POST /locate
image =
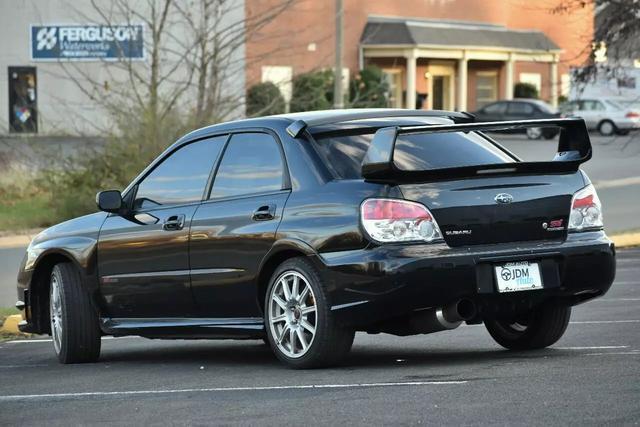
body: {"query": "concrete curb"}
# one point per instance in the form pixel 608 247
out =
pixel 10 325
pixel 18 241
pixel 626 240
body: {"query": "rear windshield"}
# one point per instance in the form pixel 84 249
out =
pixel 344 154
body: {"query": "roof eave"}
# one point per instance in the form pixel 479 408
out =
pixel 459 47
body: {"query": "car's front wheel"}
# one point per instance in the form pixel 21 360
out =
pixel 74 323
pixel 539 328
pixel 301 328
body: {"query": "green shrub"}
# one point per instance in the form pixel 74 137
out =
pixel 312 91
pixel 264 99
pixel 525 90
pixel 368 88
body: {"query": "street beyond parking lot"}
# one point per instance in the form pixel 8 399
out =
pixel 591 376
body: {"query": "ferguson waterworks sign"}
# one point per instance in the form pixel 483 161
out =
pixel 86 42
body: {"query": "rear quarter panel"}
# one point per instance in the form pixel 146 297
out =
pixel 327 217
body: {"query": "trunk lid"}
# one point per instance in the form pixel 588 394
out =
pixel 499 209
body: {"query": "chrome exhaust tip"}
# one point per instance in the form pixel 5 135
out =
pixel 463 309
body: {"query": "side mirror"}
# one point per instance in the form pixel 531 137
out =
pixel 109 201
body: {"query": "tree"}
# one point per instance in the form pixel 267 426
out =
pixel 264 99
pixel 312 91
pixel 368 88
pixel 617 28
pixel 194 53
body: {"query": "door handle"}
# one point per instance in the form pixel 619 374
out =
pixel 264 213
pixel 174 223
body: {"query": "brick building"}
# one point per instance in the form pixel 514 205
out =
pixel 451 54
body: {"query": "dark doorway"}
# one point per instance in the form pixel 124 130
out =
pixel 438 92
pixel 23 97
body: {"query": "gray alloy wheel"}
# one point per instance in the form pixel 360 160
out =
pixel 534 133
pixel 607 128
pixel 75 329
pixel 302 330
pixel 55 310
pixel 292 314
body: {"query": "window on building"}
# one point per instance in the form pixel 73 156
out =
pixel 534 79
pixel 394 83
pixel 181 177
pixel 486 88
pixel 281 76
pixel 23 97
pixel 252 163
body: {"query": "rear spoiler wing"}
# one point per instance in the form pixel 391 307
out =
pixel 574 148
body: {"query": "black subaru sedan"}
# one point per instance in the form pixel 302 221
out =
pixel 304 228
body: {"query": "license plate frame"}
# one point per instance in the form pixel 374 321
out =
pixel 518 276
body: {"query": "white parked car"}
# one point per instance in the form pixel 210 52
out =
pixel 608 116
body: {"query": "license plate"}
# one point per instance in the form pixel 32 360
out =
pixel 518 276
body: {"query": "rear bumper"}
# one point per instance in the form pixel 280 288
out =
pixel 627 123
pixel 378 283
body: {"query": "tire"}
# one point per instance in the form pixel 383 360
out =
pixel 534 133
pixel 306 312
pixel 541 328
pixel 606 128
pixel 74 323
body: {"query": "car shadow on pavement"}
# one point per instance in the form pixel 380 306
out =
pixel 383 358
pixel 248 353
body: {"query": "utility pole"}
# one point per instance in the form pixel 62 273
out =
pixel 338 97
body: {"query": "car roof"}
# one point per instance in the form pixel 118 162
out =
pixel 322 118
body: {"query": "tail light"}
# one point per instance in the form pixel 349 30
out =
pixel 586 210
pixel 632 115
pixel 392 220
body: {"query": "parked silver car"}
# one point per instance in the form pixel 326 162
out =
pixel 605 115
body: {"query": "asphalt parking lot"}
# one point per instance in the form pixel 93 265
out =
pixel 590 377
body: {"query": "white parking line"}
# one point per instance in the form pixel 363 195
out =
pixel 37 365
pixel 616 353
pixel 596 347
pixel 49 339
pixel 21 397
pixel 587 322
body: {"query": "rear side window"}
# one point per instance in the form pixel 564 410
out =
pixel 592 106
pixel 496 108
pixel 251 164
pixel 344 154
pixel 520 108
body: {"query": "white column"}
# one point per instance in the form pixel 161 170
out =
pixel 554 82
pixel 508 81
pixel 462 82
pixel 411 79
